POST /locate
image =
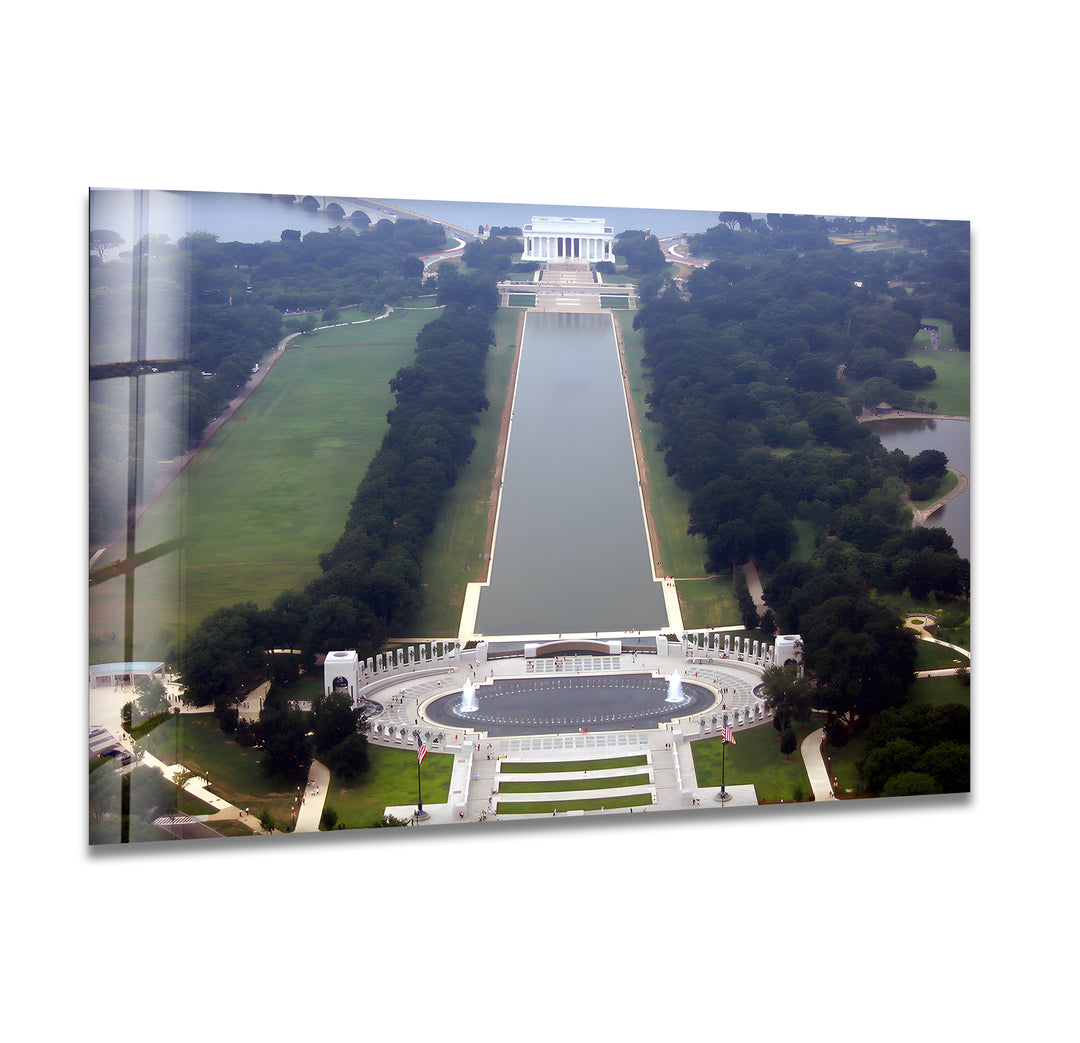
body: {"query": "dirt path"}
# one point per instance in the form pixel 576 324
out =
pixel 919 516
pixel 907 414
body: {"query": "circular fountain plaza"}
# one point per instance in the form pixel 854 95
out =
pixel 543 704
pixel 564 687
pixel 507 701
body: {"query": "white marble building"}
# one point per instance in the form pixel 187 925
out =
pixel 568 239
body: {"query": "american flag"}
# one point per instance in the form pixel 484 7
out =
pixel 727 736
pixel 421 752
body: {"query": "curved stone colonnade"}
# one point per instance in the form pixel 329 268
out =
pixel 719 652
pixel 709 644
pixel 405 682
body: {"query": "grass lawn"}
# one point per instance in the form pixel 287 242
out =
pixel 390 782
pixel 940 691
pixel 756 760
pixel 146 790
pixel 930 656
pixel 842 760
pixel 946 339
pixel 565 785
pixel 952 388
pixel 704 600
pixel 195 741
pixel 929 691
pixel 948 483
pixel 708 602
pixel 805 540
pixel 528 767
pixel 954 624
pixel 271 490
pixel 452 557
pixel 547 807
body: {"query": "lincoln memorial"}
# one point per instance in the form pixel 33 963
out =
pixel 568 239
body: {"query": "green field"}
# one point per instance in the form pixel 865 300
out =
pixel 271 490
pixel 756 760
pixel 548 807
pixel 235 775
pixel 390 782
pixel 453 555
pixel 542 767
pixel 195 741
pixel 952 389
pixel 929 691
pixel 704 600
pixel 572 785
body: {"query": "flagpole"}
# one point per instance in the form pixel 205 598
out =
pixel 723 766
pixel 723 796
pixel 421 753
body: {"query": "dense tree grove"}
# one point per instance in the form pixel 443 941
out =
pixel 758 366
pixel 639 251
pixel 370 579
pixel 496 254
pixel 211 311
pixel 932 742
pixel 758 372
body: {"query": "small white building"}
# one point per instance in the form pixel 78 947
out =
pixel 568 239
pixel 341 673
pixel 788 649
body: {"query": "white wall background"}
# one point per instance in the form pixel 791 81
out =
pixel 866 916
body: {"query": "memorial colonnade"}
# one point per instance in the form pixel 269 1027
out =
pixel 568 238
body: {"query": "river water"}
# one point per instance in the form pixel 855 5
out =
pixel 515 215
pixel 244 218
pixel 953 438
pixel 571 553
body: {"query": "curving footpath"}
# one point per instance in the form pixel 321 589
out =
pixel 920 515
pixel 814 762
pixel 311 804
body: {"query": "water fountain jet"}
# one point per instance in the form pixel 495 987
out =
pixel 468 698
pixel 675 692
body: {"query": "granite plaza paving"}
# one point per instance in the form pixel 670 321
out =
pixel 480 757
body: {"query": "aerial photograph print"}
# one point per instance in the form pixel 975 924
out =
pixel 439 515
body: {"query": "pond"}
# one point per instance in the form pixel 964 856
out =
pixel 953 438
pixel 571 553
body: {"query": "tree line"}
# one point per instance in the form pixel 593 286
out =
pixel 212 310
pixel 758 369
pixel 369 583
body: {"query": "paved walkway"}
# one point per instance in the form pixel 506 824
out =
pixel 478 758
pixel 473 791
pixel 816 771
pixel 311 803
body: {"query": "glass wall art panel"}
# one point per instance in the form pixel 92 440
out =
pixel 431 514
